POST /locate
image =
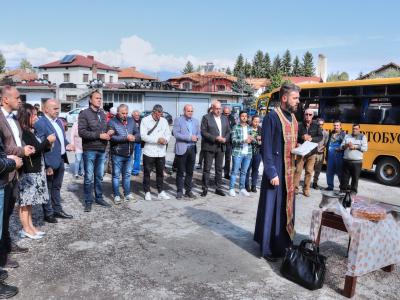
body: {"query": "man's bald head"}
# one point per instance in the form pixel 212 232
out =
pixel 10 98
pixel 52 108
pixel 188 111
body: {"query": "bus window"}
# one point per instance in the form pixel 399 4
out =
pixel 374 90
pixel 330 92
pixel 304 93
pixel 393 89
pixel 314 93
pixel 375 113
pixel 392 116
pixel 350 91
pixel 347 110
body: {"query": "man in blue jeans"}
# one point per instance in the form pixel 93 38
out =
pixel 242 139
pixel 334 155
pixel 92 128
pixel 138 145
pixel 122 145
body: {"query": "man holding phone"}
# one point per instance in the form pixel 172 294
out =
pixel 92 128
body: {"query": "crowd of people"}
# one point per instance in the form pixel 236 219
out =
pixel 33 153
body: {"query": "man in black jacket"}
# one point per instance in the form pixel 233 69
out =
pixel 216 132
pixel 92 128
pixel 308 131
pixel 7 164
pixel 122 148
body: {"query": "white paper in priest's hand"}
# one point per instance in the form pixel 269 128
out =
pixel 304 148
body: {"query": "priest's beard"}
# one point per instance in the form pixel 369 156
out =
pixel 290 108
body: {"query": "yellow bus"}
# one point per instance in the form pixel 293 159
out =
pixel 373 103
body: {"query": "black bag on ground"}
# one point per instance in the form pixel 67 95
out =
pixel 304 266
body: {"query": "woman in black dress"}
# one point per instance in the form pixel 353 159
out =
pixel 32 184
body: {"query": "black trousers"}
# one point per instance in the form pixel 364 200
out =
pixel 351 169
pixel 201 157
pixel 185 164
pixel 10 195
pixel 228 157
pixel 54 183
pixel 148 163
pixel 208 161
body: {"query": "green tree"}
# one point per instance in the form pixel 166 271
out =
pixel 267 65
pixel 276 81
pixel 247 69
pixel 2 63
pixel 258 62
pixel 239 66
pixel 287 63
pixel 338 76
pixel 189 68
pixel 296 69
pixel 228 71
pixel 25 64
pixel 242 87
pixel 276 66
pixel 307 67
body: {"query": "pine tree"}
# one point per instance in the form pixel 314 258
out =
pixel 276 66
pixel 267 66
pixel 287 63
pixel 2 63
pixel 247 69
pixel 307 67
pixel 228 71
pixel 239 66
pixel 338 76
pixel 296 68
pixel 189 68
pixel 25 64
pixel 258 61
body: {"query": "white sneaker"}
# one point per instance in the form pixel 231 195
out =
pixel 243 192
pixel 117 200
pixel 163 196
pixel 130 198
pixel 147 196
pixel 232 193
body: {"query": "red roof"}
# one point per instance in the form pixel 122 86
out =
pixel 198 76
pixel 19 75
pixel 79 61
pixel 132 73
pixel 257 83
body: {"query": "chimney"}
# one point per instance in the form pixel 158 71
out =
pixel 322 67
pixel 91 57
pixel 133 68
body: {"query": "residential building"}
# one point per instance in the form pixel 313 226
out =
pixel 132 75
pixel 389 70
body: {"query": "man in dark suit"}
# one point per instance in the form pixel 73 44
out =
pixel 13 145
pixel 54 160
pixel 215 131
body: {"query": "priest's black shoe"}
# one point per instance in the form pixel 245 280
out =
pixel 15 249
pixel 220 192
pixel 203 193
pixel 63 215
pixel 50 219
pixel 7 291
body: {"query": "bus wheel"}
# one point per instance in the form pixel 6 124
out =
pixel 388 171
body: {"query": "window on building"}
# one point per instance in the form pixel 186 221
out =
pixel 220 87
pixel 66 77
pixel 111 79
pixel 85 77
pixel 45 76
pixel 187 85
pixel 71 98
pixel 101 77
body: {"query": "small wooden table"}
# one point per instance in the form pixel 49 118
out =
pixel 335 221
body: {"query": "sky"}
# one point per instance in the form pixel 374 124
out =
pixel 159 37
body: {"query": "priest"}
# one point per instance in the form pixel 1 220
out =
pixel 274 230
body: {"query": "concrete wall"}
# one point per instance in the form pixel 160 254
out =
pixel 33 97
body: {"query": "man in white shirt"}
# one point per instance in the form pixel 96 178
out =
pixel 155 133
pixel 54 160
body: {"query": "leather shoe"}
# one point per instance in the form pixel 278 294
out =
pixel 63 215
pixel 50 219
pixel 7 291
pixel 254 189
pixel 3 275
pixel 203 193
pixel 17 249
pixel 102 203
pixel 227 176
pixel 190 195
pixel 10 263
pixel 179 195
pixel 88 207
pixel 247 188
pixel 219 192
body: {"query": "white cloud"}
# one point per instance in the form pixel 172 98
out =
pixel 132 51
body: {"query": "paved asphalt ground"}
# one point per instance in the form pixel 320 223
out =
pixel 176 249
